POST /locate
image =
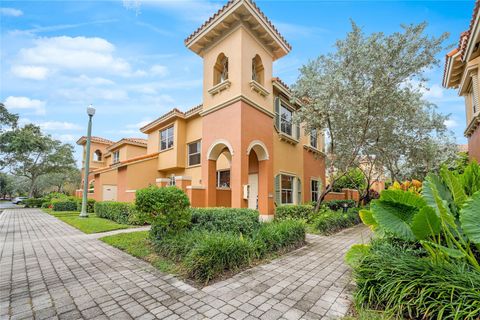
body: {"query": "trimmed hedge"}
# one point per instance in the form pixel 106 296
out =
pixel 292 211
pixel 90 205
pixel 33 202
pixel 113 210
pixel 235 220
pixel 69 204
pixel 216 253
pixel 333 221
pixel 281 235
pixel 177 246
pixel 169 207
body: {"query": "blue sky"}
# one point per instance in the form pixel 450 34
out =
pixel 128 59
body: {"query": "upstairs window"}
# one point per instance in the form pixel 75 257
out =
pixel 194 149
pixel 286 116
pixel 97 155
pixel 257 70
pixel 314 138
pixel 116 156
pixel 220 70
pixel 166 138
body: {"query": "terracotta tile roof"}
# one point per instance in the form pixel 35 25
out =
pixel 280 81
pixel 137 140
pixel 226 7
pixel 83 139
pixel 172 113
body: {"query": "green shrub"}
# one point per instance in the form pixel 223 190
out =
pixel 338 204
pixel 177 246
pixel 216 253
pixel 333 221
pixel 139 218
pixel 279 235
pixel 90 205
pixel 402 281
pixel 239 221
pixel 293 211
pixel 33 202
pixel 67 204
pixel 169 207
pixel 116 211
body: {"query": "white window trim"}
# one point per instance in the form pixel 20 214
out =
pixel 218 178
pixel 294 188
pixel 167 140
pixel 116 156
pixel 287 107
pixel 311 190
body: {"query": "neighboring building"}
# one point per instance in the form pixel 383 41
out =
pixel 240 147
pixel 461 71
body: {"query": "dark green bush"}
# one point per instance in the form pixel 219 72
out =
pixel 90 205
pixel 68 204
pixel 116 211
pixel 338 204
pixel 332 221
pixel 216 253
pixel 33 202
pixel 139 218
pixel 169 207
pixel 244 221
pixel 279 235
pixel 292 211
pixel 177 246
pixel 397 279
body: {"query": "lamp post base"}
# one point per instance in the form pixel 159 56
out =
pixel 83 215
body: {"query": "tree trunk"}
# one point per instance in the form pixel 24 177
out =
pixel 32 187
pixel 321 197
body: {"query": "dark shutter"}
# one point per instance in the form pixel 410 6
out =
pixel 299 191
pixel 278 199
pixel 277 113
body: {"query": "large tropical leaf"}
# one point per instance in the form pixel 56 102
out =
pixel 431 184
pixel 425 223
pixel 455 186
pixel 356 254
pixel 367 218
pixel 451 252
pixel 403 197
pixel 471 178
pixel 470 218
pixel 394 217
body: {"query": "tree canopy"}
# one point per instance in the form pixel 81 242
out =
pixel 368 96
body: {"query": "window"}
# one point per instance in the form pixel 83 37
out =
pixel 314 189
pixel 166 138
pixel 286 120
pixel 194 149
pixel 116 156
pixel 257 69
pixel 97 155
pixel 223 179
pixel 474 105
pixel 286 187
pixel 220 70
pixel 314 138
pixel 171 181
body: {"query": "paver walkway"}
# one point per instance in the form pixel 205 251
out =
pixel 51 270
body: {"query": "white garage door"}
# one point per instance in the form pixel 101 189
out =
pixel 109 193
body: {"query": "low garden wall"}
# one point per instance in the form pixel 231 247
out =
pixel 346 194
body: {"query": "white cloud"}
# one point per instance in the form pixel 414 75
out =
pixel 58 125
pixel 92 94
pixel 83 79
pixel 12 12
pixel 450 123
pixel 434 92
pixel 24 103
pixel 30 72
pixel 138 125
pixel 65 137
pixel 75 53
pixel 159 70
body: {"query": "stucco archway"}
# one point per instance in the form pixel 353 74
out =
pixel 217 148
pixel 260 149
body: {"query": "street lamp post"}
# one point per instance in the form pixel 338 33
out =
pixel 84 213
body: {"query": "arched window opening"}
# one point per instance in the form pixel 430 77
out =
pixel 220 70
pixel 97 155
pixel 257 69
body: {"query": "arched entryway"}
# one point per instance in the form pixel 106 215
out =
pixel 219 155
pixel 257 176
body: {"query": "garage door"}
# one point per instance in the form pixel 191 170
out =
pixel 109 193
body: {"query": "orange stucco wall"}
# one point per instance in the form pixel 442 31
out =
pixel 313 169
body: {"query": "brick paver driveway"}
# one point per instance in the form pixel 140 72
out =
pixel 51 270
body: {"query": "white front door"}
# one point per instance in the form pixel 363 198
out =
pixel 109 193
pixel 253 193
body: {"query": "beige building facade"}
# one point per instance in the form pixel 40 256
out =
pixel 240 147
pixel 462 73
